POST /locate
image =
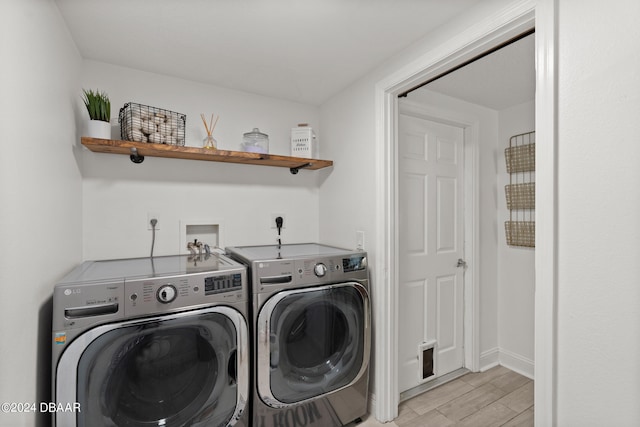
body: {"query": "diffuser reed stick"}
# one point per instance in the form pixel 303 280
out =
pixel 209 141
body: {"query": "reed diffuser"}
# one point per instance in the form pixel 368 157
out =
pixel 209 142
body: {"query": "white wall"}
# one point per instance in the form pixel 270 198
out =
pixel 598 336
pixel 40 193
pixel 516 275
pixel 348 195
pixel 118 195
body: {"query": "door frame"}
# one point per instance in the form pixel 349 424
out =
pixel 471 228
pixel 515 19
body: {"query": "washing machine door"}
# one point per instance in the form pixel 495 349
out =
pixel 311 342
pixel 184 369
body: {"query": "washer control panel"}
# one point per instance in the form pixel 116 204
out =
pixel 98 292
pixel 157 295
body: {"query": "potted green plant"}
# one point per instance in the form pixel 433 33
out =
pixel 99 109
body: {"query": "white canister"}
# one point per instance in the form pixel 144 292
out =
pixel 303 142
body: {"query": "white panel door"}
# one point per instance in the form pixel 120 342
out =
pixel 431 300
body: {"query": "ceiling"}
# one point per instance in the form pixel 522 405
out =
pixel 500 80
pixel 300 50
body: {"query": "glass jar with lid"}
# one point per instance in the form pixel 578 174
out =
pixel 255 142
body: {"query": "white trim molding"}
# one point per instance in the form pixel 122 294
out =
pixel 546 256
pixel 489 359
pixel 517 363
pixel 501 357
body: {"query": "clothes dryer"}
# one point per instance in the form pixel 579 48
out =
pixel 311 334
pixel 152 341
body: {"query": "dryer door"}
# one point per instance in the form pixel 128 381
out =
pixel 311 342
pixel 182 369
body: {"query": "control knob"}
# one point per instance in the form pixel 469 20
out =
pixel 166 294
pixel 320 269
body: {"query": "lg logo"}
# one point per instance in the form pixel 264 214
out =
pixel 68 292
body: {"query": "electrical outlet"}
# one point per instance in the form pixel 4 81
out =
pixel 150 216
pixel 360 240
pixel 273 220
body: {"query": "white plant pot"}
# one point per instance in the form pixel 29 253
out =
pixel 99 129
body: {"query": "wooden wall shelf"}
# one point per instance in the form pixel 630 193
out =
pixel 138 150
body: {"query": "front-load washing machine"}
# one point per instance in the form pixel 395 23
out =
pixel 311 334
pixel 157 341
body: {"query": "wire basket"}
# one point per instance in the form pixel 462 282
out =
pixel 142 123
pixel 520 233
pixel 521 158
pixel 521 196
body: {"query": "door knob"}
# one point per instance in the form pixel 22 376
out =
pixel 461 263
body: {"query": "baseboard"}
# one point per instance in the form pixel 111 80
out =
pixel 517 363
pixel 489 359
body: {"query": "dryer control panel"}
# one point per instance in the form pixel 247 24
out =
pixel 277 267
pixel 269 275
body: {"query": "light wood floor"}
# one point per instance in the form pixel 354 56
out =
pixel 497 397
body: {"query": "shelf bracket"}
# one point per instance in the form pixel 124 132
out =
pixel 295 170
pixel 135 157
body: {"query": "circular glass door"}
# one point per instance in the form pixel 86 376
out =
pixel 317 342
pixel 175 370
